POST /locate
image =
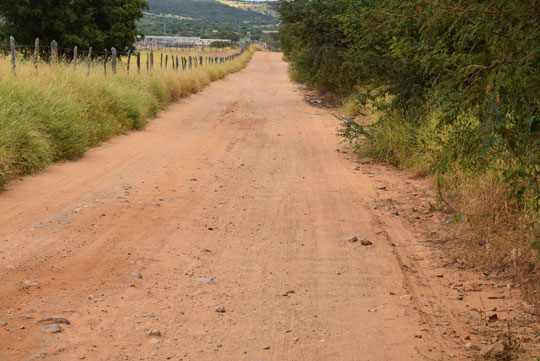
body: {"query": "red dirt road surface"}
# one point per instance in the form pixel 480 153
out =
pixel 220 232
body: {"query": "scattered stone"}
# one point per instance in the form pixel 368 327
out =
pixel 28 317
pixel 156 333
pixel 54 328
pixel 365 242
pixel 418 335
pixel 495 350
pixel 137 274
pixel 440 275
pixel 383 188
pixel 468 345
pixel 492 317
pixel 220 309
pixel 467 337
pixel 352 239
pixel 207 280
pixel 284 294
pixel 30 283
pixel 155 341
pixel 206 250
pixel 2 323
pixel 53 319
pixel 266 347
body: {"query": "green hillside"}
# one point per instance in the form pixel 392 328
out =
pixel 204 18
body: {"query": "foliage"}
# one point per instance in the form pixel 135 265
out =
pixel 61 112
pixel 97 23
pixel 208 19
pixel 470 66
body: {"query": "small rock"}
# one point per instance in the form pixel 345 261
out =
pixel 206 250
pixel 53 319
pixel 220 309
pixel 494 350
pixel 30 283
pixel 492 317
pixel 288 293
pixel 418 336
pixel 352 239
pixel 26 316
pixel 154 341
pixel 156 333
pixel 137 274
pixel 467 337
pixel 468 345
pixel 365 242
pixel 2 323
pixel 208 281
pixel 266 347
pixel 54 328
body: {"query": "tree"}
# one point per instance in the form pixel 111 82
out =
pixel 97 23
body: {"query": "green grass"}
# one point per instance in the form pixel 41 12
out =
pixel 58 113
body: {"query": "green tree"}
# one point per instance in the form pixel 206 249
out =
pixel 97 23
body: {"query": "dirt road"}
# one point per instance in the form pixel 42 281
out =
pixel 237 198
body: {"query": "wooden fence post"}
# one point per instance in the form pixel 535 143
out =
pixel 105 62
pixel 190 62
pixel 147 62
pixel 161 64
pixel 36 54
pixel 138 62
pixel 54 52
pixel 129 60
pixel 75 50
pixel 13 54
pixel 89 61
pixel 177 63
pixel 152 59
pixel 166 60
pixel 113 62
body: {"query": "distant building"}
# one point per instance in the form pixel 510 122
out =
pixel 153 41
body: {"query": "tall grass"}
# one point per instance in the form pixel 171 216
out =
pixel 494 228
pixel 58 113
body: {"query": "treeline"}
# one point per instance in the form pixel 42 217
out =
pixel 454 87
pixel 100 24
pixel 205 18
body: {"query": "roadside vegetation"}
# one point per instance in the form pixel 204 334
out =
pixel 58 113
pixel 449 89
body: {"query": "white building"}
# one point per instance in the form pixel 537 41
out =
pixel 154 41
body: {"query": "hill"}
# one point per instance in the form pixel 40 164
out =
pixel 208 19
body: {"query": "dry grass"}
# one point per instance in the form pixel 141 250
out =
pixel 495 232
pixel 58 113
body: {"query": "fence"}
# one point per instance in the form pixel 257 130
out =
pixel 110 59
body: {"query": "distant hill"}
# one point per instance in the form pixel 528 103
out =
pixel 208 19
